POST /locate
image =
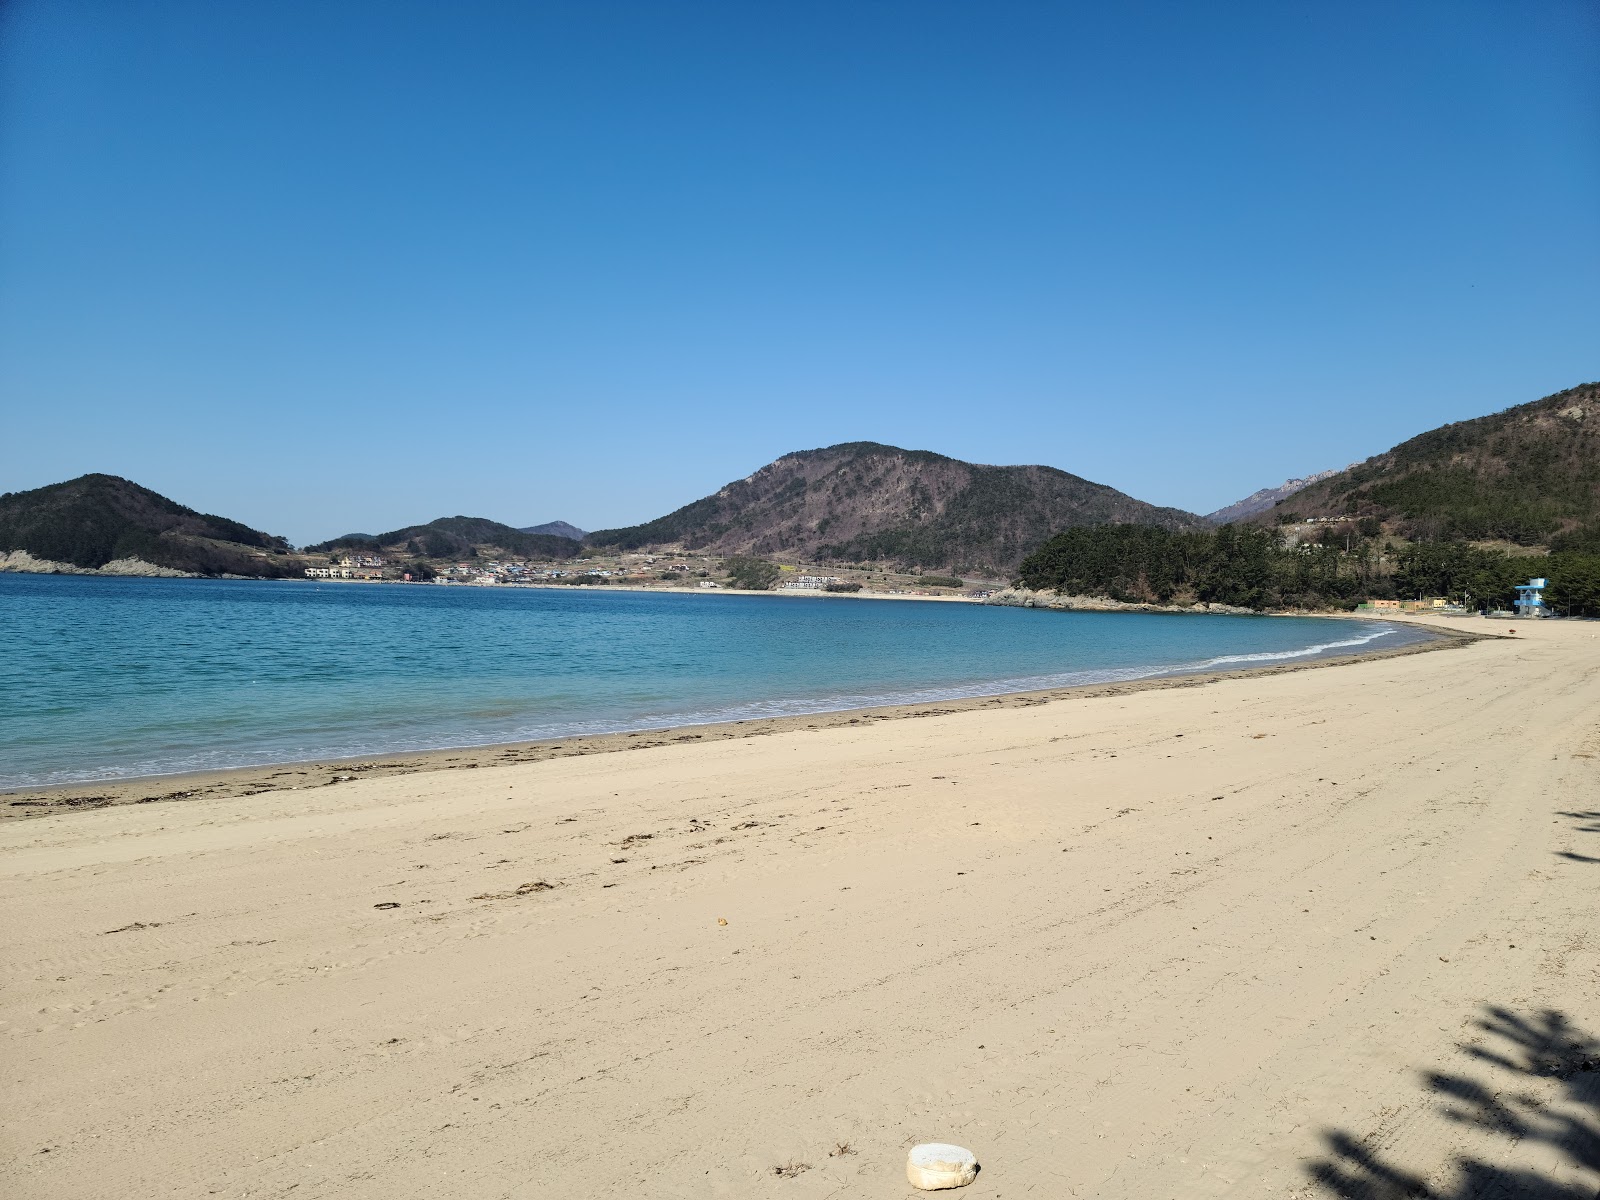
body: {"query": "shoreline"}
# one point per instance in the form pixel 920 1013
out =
pixel 1002 595
pixel 1078 938
pixel 236 782
pixel 164 573
pixel 809 593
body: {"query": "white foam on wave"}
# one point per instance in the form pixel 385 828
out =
pixel 1320 648
pixel 1007 686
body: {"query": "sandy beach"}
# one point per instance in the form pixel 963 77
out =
pixel 1322 932
pixel 31 803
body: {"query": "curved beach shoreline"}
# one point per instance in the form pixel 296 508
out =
pixel 245 781
pixel 1225 935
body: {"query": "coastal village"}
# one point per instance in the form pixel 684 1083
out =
pixel 654 572
pixel 695 572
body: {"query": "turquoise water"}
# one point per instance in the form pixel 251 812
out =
pixel 112 678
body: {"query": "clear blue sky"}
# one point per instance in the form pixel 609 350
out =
pixel 325 266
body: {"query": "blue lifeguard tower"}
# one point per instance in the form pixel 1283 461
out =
pixel 1530 598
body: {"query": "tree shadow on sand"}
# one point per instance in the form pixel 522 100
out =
pixel 1589 823
pixel 1565 1126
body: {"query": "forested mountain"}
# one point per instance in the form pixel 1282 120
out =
pixel 98 519
pixel 458 537
pixel 865 502
pixel 1399 526
pixel 1530 475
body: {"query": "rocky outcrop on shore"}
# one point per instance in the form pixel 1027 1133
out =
pixel 22 561
pixel 1025 598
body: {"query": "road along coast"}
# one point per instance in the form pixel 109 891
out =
pixel 1238 939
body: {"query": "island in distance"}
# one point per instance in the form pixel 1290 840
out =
pixel 103 524
pixel 903 510
pixel 1521 480
pixel 454 537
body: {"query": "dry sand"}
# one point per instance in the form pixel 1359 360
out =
pixel 1178 942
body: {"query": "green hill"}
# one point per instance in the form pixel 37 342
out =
pixel 1529 475
pixel 458 537
pixel 98 519
pixel 865 502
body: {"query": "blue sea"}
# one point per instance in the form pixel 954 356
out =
pixel 104 678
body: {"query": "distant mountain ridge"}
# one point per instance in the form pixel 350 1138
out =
pixel 557 529
pixel 1529 474
pixel 96 522
pixel 1259 502
pixel 868 502
pixel 457 537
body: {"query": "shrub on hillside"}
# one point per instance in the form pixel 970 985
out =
pixel 751 574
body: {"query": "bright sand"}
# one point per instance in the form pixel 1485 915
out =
pixel 1112 960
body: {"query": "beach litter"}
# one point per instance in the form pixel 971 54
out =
pixel 935 1165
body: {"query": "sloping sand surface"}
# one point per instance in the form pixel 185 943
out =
pixel 1323 933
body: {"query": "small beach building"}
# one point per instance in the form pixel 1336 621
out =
pixel 1530 598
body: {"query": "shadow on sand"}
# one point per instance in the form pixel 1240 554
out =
pixel 1589 822
pixel 1562 1123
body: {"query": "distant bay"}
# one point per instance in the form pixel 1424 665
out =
pixel 106 678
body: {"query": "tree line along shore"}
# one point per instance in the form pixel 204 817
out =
pixel 1338 566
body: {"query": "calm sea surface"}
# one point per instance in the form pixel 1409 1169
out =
pixel 110 678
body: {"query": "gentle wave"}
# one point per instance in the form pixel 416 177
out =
pixel 1323 648
pixel 996 687
pixel 682 718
